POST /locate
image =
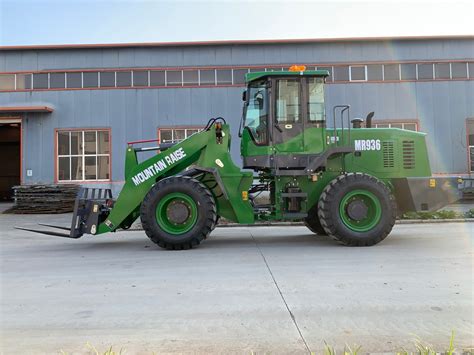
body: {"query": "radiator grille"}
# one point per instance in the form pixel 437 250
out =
pixel 388 155
pixel 408 148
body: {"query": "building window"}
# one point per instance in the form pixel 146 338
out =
pixel 442 71
pixel 40 81
pixel 239 75
pixel 23 81
pixel 107 79
pixel 408 71
pixel 90 79
pixel 174 78
pixel 57 80
pixel 341 73
pixel 375 72
pixel 176 134
pixel 140 78
pixel 157 78
pixel 409 126
pixel 207 77
pixel 459 70
pixel 425 71
pixel 190 77
pixel 83 155
pixel 124 78
pixel 470 145
pixel 358 73
pixel 391 72
pixel 180 77
pixel 224 76
pixel 74 80
pixel 7 82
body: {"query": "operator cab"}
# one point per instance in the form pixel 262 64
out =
pixel 283 114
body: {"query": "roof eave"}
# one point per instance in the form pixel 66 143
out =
pixel 231 42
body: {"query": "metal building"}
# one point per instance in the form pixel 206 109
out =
pixel 67 111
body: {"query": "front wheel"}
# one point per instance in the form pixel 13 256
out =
pixel 178 213
pixel 312 221
pixel 357 210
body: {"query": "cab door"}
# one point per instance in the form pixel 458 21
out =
pixel 288 122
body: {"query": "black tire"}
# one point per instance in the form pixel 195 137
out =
pixel 312 221
pixel 216 222
pixel 336 227
pixel 204 205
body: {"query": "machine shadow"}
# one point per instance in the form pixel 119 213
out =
pixel 215 242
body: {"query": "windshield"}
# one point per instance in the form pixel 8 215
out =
pixel 256 115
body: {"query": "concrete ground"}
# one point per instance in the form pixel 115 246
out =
pixel 262 289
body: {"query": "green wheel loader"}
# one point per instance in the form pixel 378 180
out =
pixel 343 178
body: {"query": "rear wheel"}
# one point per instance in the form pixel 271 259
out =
pixel 216 222
pixel 178 213
pixel 357 210
pixel 312 221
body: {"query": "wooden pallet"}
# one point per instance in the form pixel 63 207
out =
pixel 37 199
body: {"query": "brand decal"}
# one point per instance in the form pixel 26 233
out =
pixel 159 166
pixel 367 144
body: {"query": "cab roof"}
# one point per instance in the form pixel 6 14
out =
pixel 249 77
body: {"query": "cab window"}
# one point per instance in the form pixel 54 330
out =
pixel 257 112
pixel 316 111
pixel 288 101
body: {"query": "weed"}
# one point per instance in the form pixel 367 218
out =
pixel 451 348
pixel 329 350
pixel 109 351
pixel 443 214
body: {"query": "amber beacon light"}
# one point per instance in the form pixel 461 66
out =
pixel 297 68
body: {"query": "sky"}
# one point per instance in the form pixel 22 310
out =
pixel 37 22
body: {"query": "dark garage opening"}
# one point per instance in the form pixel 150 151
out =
pixel 10 155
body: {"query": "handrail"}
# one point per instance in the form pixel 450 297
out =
pixel 344 109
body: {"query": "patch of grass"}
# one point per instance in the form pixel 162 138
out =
pixel 329 350
pixel 423 348
pixel 93 350
pixel 420 348
pixel 470 213
pixel 443 214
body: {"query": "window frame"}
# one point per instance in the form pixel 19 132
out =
pixel 396 65
pixel 358 66
pixel 469 121
pixel 403 122
pixel 276 97
pixel 174 128
pixel 25 80
pixel 57 131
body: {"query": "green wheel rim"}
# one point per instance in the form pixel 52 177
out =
pixel 165 219
pixel 373 212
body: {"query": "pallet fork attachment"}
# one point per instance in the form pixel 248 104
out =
pixel 91 208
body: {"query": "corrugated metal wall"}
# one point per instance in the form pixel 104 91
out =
pixel 441 107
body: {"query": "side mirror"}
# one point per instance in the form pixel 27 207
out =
pixel 244 96
pixel 368 120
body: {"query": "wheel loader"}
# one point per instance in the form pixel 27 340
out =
pixel 341 177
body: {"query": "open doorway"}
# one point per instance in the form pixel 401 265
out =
pixel 10 157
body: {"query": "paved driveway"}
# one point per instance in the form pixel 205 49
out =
pixel 261 289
